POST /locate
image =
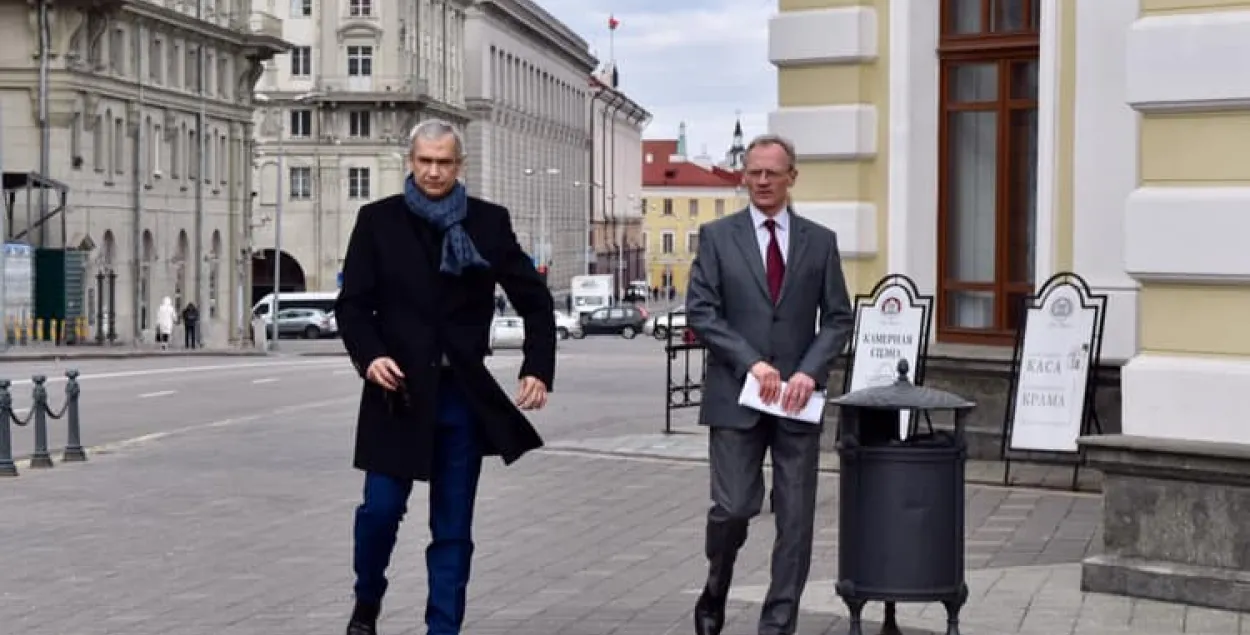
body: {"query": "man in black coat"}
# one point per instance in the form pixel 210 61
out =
pixel 415 312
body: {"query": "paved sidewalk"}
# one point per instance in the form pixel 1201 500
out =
pixel 243 528
pixel 689 443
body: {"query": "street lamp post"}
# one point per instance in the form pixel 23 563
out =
pixel 544 247
pixel 277 216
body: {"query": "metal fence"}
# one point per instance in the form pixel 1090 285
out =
pixel 686 366
pixel 37 417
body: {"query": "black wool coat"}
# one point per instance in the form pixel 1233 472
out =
pixel 395 303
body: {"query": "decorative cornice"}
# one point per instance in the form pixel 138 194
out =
pixel 535 22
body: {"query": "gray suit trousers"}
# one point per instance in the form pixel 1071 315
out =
pixel 737 488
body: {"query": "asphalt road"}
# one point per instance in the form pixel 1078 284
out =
pixel 604 386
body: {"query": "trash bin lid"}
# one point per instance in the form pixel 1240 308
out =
pixel 903 395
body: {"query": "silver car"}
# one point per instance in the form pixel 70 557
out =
pixel 309 324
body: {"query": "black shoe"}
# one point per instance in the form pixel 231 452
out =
pixel 709 614
pixel 357 627
pixel 364 620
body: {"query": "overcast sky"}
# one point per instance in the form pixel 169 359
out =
pixel 697 61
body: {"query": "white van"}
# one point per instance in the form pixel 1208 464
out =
pixel 323 300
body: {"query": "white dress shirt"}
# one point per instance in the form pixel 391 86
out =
pixel 763 236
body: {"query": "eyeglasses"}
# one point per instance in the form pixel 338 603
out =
pixel 773 175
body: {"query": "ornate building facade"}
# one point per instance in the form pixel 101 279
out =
pixel 526 77
pixel 617 206
pixel 336 113
pixel 135 117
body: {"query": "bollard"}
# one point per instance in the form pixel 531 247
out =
pixel 73 444
pixel 39 409
pixel 7 468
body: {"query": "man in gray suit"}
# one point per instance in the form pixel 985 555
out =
pixel 757 285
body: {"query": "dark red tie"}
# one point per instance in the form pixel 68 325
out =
pixel 775 264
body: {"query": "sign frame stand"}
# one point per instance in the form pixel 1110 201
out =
pixel 1089 421
pixel 916 300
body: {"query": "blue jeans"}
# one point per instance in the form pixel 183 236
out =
pixel 453 488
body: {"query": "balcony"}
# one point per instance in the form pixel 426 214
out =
pixel 373 88
pixel 265 24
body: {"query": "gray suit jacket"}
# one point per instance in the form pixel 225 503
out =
pixel 728 306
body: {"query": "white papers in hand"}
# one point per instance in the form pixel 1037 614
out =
pixel 812 411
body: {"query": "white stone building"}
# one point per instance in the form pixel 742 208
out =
pixel 527 83
pixel 147 112
pixel 337 111
pixel 617 242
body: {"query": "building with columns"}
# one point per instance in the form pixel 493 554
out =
pixel 617 241
pixel 980 149
pixel 529 145
pixel 335 113
pixel 136 117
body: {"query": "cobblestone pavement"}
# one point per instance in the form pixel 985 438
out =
pixel 243 527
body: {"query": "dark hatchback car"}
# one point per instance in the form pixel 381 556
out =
pixel 625 321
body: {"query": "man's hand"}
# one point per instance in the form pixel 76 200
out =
pixel 770 382
pixel 531 394
pixel 384 372
pixel 798 390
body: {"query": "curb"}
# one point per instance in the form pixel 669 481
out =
pixel 99 355
pixel 996 484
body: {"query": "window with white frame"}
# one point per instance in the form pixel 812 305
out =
pixel 358 183
pixel 301 183
pixel 359 124
pixel 301 61
pixel 301 8
pixel 692 242
pixel 666 243
pixel 301 123
pixel 360 61
pixel 360 8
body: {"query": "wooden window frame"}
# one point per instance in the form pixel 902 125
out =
pixel 1004 49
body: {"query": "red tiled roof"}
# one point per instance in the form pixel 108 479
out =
pixel 661 172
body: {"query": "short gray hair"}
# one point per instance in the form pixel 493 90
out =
pixel 774 140
pixel 435 129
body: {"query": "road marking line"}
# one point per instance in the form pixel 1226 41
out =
pixel 106 448
pixel 265 380
pixel 189 369
pixel 159 393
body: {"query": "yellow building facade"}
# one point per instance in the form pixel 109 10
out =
pixel 1109 138
pixel 980 147
pixel 670 224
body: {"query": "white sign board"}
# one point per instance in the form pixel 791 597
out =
pixel 1054 371
pixel 888 330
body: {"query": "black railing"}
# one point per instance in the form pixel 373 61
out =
pixel 686 368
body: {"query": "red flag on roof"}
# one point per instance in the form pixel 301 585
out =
pixel 613 23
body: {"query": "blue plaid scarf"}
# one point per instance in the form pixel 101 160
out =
pixel 447 214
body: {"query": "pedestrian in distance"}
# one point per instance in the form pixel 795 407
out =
pixel 414 314
pixel 758 283
pixel 166 316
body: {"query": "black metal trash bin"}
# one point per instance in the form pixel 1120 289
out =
pixel 901 503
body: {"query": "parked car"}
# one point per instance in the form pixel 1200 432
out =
pixel 508 331
pixel 626 321
pixel 306 323
pixel 659 324
pixel 566 325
